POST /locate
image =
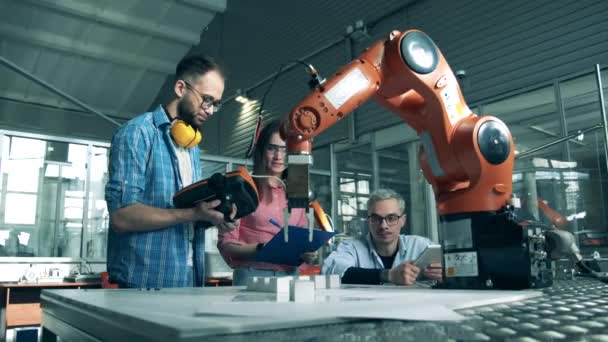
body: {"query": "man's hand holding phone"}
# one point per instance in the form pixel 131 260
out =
pixel 433 272
pixel 429 261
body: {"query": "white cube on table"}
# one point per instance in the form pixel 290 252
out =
pixel 302 291
pixel 320 281
pixel 280 284
pixel 333 281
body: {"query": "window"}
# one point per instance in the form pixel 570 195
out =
pixel 21 172
pixel 354 186
pixel 44 187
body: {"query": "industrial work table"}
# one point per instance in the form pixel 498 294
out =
pixel 570 310
pixel 20 303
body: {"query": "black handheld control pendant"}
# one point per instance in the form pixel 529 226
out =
pixel 217 183
pixel 236 187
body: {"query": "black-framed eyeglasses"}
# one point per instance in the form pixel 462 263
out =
pixel 391 219
pixel 207 101
pixel 276 148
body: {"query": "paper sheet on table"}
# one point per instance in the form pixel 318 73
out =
pixel 376 302
pixel 290 311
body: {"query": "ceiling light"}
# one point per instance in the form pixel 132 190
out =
pixel 241 96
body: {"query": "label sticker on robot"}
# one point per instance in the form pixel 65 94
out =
pixel 461 264
pixel 451 102
pixel 342 91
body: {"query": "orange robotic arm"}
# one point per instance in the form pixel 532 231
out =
pixel 468 159
pixel 557 219
pixel 320 217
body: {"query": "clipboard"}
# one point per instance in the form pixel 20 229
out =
pixel 277 251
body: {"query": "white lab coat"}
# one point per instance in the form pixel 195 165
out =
pixel 361 253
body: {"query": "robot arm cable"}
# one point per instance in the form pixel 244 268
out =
pixel 315 81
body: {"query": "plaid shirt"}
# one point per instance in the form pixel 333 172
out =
pixel 143 169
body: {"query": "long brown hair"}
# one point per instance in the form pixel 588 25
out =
pixel 259 167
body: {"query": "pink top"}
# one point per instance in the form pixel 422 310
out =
pixel 256 228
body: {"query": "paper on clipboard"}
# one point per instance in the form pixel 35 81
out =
pixel 277 251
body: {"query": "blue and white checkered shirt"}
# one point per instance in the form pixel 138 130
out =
pixel 143 169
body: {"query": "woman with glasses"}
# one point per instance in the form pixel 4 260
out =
pixel 240 247
pixel 384 255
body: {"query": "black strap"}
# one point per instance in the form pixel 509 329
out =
pixel 387 261
pixel 358 275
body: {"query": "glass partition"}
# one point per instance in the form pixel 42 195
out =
pixel 393 173
pixel 355 180
pixel 43 196
pixel 320 184
pixel 563 183
pixel 585 202
pixel 587 219
pixel 70 187
pixel 22 172
pixel 98 218
pixel 210 167
pixel 532 117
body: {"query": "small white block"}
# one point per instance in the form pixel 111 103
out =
pixel 333 281
pixel 320 281
pixel 257 284
pixel 266 285
pixel 280 284
pixel 252 284
pixel 302 291
pixel 269 284
pixel 273 283
pixel 303 277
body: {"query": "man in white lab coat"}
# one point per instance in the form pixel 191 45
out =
pixel 384 256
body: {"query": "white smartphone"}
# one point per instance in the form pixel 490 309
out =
pixel 431 255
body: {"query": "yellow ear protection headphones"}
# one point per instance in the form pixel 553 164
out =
pixel 185 135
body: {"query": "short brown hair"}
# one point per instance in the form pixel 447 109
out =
pixel 191 67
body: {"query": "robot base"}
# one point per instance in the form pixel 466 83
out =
pixel 489 250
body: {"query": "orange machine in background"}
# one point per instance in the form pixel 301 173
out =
pixel 557 219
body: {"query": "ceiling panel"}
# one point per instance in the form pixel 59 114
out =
pixel 111 55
